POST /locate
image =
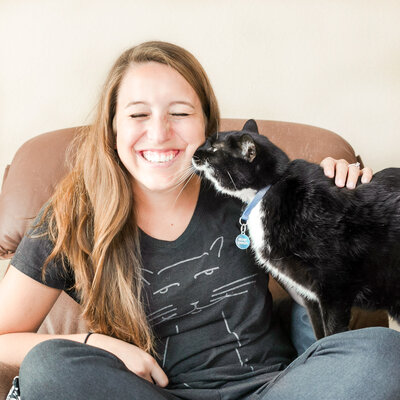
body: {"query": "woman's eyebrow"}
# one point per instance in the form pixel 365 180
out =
pixel 132 103
pixel 187 103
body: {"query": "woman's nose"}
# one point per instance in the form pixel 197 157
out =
pixel 159 130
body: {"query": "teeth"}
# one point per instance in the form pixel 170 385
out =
pixel 159 157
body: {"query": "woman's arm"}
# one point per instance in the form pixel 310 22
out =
pixel 24 304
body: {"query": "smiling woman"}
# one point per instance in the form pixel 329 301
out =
pixel 177 310
pixel 129 175
pixel 159 124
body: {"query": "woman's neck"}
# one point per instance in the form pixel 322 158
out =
pixel 165 215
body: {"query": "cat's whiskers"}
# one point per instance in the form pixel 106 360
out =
pixel 184 173
pixel 183 187
pixel 231 180
pixel 182 179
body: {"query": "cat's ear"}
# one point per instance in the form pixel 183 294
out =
pixel 250 126
pixel 248 147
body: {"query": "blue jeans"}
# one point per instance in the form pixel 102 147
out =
pixel 301 332
pixel 361 364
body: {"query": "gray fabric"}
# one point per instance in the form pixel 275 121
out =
pixel 360 364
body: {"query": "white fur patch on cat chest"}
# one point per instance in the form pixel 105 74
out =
pixel 260 243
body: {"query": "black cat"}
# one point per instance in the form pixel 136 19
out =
pixel 334 246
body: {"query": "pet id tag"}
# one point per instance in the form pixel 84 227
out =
pixel 242 241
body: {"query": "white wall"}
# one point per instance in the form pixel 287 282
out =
pixel 330 63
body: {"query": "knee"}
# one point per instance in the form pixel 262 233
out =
pixel 372 345
pixel 377 355
pixel 381 359
pixel 40 363
pixel 371 356
pixel 383 346
pixel 47 365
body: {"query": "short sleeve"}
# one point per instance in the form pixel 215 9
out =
pixel 31 255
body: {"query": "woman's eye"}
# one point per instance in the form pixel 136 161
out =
pixel 138 115
pixel 179 114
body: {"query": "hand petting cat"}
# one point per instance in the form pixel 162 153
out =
pixel 346 173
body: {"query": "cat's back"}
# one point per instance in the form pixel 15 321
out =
pixel 384 189
pixel 389 178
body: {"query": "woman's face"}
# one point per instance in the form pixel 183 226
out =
pixel 159 125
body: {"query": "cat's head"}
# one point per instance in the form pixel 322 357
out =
pixel 240 163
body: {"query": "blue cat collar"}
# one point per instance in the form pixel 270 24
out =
pixel 257 198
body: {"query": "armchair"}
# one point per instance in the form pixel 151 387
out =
pixel 40 164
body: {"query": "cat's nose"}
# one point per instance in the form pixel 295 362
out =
pixel 199 157
pixel 205 146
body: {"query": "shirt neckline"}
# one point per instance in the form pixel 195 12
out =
pixel 149 242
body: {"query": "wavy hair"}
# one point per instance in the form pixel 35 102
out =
pixel 91 216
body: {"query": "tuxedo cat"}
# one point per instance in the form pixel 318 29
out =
pixel 334 246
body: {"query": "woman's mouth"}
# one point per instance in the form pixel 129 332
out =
pixel 159 157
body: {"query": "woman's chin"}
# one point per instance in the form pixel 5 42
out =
pixel 170 185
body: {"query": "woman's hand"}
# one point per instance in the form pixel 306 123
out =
pixel 135 359
pixel 345 174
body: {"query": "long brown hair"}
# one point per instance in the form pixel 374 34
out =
pixel 91 214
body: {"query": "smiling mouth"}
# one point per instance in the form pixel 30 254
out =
pixel 159 157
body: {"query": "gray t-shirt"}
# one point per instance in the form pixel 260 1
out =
pixel 207 301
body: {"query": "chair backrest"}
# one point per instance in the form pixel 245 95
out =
pixel 39 165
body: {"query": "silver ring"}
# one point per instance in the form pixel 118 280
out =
pixel 357 164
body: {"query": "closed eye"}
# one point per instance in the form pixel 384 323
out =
pixel 207 272
pixel 179 114
pixel 138 115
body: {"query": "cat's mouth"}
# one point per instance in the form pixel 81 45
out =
pixel 159 157
pixel 198 164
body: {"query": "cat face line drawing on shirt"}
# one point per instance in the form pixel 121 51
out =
pixel 178 285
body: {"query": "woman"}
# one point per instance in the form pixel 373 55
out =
pixel 175 310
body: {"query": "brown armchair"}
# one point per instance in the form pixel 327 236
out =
pixel 40 163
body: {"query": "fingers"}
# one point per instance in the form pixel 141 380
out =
pixel 337 169
pixel 158 376
pixel 345 174
pixel 352 175
pixel 329 166
pixel 149 369
pixel 366 175
pixel 342 170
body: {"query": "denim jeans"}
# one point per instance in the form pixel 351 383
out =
pixel 301 332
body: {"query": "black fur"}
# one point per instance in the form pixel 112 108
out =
pixel 342 245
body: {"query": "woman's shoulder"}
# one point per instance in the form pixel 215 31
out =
pixel 34 250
